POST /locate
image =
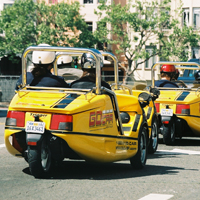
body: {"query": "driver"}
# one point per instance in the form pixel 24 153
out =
pixel 88 79
pixel 64 62
pixel 167 73
pixel 41 74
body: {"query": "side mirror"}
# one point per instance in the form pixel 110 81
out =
pixel 155 93
pixel 144 99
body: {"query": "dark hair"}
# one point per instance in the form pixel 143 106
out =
pixel 39 70
pixel 91 73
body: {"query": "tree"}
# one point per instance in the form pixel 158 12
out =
pixel 135 25
pixel 178 42
pixel 62 25
pixel 17 24
pixel 26 23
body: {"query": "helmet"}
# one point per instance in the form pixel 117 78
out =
pixel 43 57
pixel 197 75
pixel 168 69
pixel 64 59
pixel 88 61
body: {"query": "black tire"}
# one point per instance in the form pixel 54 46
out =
pixel 39 159
pixel 139 160
pixel 168 133
pixel 153 143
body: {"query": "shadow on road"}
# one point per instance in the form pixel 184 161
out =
pixel 188 142
pixel 185 141
pixel 72 169
pixel 111 171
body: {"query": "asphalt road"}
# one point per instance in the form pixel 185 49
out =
pixel 171 173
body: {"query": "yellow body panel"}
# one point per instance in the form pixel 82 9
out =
pixel 95 135
pixel 172 98
pixel 7 137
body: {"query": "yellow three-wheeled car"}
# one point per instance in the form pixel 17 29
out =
pixel 47 124
pixel 178 108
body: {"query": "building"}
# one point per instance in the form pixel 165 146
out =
pixel 5 3
pixel 191 17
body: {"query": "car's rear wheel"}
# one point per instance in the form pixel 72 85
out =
pixel 153 143
pixel 139 160
pixel 39 159
pixel 169 133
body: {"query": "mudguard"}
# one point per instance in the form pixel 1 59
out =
pixel 33 138
pixel 166 118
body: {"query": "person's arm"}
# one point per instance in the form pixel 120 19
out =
pixel 18 83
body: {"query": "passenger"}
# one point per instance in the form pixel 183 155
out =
pixel 41 74
pixel 167 73
pixel 88 79
pixel 64 62
pixel 67 69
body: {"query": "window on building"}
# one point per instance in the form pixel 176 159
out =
pixel 87 1
pixel 151 15
pixel 150 50
pixel 101 45
pixel 162 56
pixel 5 5
pixel 99 1
pixel 186 17
pixel 196 17
pixel 166 23
pixel 53 1
pixel 90 26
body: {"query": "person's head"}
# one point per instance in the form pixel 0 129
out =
pixel 197 75
pixel 167 71
pixel 64 61
pixel 88 63
pixel 43 61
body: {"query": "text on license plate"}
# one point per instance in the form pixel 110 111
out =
pixel 35 127
pixel 167 112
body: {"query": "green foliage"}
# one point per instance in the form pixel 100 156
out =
pixel 18 25
pixel 180 40
pixel 62 25
pixel 26 23
pixel 142 23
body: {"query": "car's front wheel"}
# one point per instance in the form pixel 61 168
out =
pixel 153 143
pixel 139 160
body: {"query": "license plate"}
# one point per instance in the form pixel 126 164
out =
pixel 167 112
pixel 35 127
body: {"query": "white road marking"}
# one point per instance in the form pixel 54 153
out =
pixel 177 151
pixel 157 197
pixel 2 145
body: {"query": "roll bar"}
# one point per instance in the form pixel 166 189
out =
pixel 70 50
pixel 181 64
pixel 111 55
